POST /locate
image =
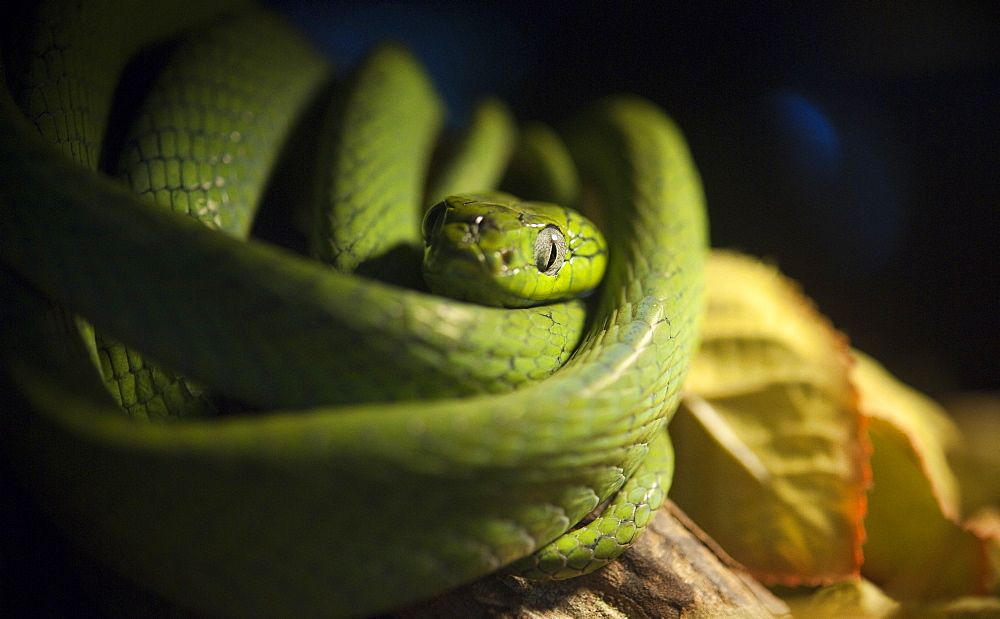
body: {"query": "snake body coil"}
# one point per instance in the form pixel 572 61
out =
pixel 346 493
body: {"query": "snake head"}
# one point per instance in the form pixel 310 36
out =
pixel 494 249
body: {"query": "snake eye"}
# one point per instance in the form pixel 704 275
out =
pixel 432 221
pixel 550 250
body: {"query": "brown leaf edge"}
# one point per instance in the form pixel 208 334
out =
pixel 840 344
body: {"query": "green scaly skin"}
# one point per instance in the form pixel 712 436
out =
pixel 478 158
pixel 308 508
pixel 541 168
pixel 375 150
pixel 377 197
pixel 487 248
pixel 202 145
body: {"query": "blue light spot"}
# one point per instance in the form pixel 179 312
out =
pixel 808 142
pixel 842 177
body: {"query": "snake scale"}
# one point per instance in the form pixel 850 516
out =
pixel 390 444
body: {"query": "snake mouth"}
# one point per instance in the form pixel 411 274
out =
pixel 467 260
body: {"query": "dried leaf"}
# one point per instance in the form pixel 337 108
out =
pixel 918 548
pixel 926 425
pixel 985 524
pixel 970 607
pixel 771 448
pixel 976 460
pixel 850 598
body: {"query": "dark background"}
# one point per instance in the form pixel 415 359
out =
pixel 855 144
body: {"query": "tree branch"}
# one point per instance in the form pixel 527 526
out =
pixel 674 570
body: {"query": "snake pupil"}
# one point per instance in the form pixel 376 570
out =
pixel 550 250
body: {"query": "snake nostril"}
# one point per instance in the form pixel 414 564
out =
pixel 433 220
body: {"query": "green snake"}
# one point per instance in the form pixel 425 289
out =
pixel 387 444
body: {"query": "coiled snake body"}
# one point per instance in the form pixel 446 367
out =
pixel 401 443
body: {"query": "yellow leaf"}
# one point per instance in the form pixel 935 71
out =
pixel 969 607
pixel 850 598
pixel 771 448
pixel 926 425
pixel 985 524
pixel 976 459
pixel 918 548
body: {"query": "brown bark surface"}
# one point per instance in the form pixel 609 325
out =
pixel 674 570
